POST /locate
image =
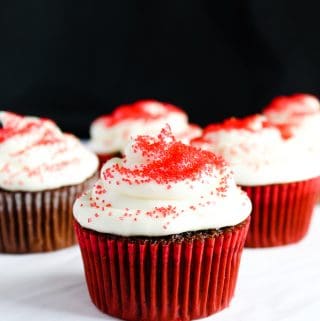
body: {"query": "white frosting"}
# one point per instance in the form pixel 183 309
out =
pixel 261 155
pixel 35 155
pixel 292 109
pixel 300 114
pixel 130 205
pixel 113 138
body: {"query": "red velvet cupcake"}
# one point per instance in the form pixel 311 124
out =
pixel 277 166
pixel 162 232
pixel 299 114
pixel 42 171
pixel 111 133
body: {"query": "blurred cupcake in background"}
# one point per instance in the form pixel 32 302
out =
pixel 274 166
pixel 109 134
pixel 42 170
pixel 298 116
pixel 162 231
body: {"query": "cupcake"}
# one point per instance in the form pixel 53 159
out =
pixel 111 133
pixel 299 115
pixel 162 231
pixel 279 173
pixel 42 171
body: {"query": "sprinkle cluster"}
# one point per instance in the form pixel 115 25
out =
pixel 295 105
pixel 165 162
pixel 292 107
pixel 25 135
pixel 146 110
pixel 251 123
pixel 16 125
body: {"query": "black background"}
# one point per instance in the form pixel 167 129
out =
pixel 74 60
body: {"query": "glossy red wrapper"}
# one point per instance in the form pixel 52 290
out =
pixel 162 279
pixel 281 212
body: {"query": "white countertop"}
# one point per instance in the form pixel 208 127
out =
pixel 278 284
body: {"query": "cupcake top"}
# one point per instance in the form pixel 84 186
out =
pixel 35 155
pixel 298 115
pixel 111 133
pixel 260 152
pixel 162 187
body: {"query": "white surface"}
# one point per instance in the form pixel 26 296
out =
pixel 279 284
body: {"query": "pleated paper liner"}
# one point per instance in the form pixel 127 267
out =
pixel 38 221
pixel 183 277
pixel 281 212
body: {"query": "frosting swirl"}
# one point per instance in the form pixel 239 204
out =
pixel 35 155
pixel 261 151
pixel 162 187
pixel 292 109
pixel 298 116
pixel 111 133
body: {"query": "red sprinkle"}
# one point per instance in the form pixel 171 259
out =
pixel 168 161
pixel 295 105
pixel 142 109
pixel 292 108
pixel 11 126
pixel 251 123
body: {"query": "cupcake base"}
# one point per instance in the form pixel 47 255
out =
pixel 179 277
pixel 281 213
pixel 38 221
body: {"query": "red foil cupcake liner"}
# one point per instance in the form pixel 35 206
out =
pixel 162 279
pixel 281 212
pixel 38 221
pixel 105 157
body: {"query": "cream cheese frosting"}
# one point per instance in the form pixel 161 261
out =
pixel 299 116
pixel 261 152
pixel 162 187
pixel 35 155
pixel 111 133
pixel 293 110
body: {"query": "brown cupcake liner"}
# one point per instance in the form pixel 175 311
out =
pixel 281 212
pixel 162 279
pixel 38 221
